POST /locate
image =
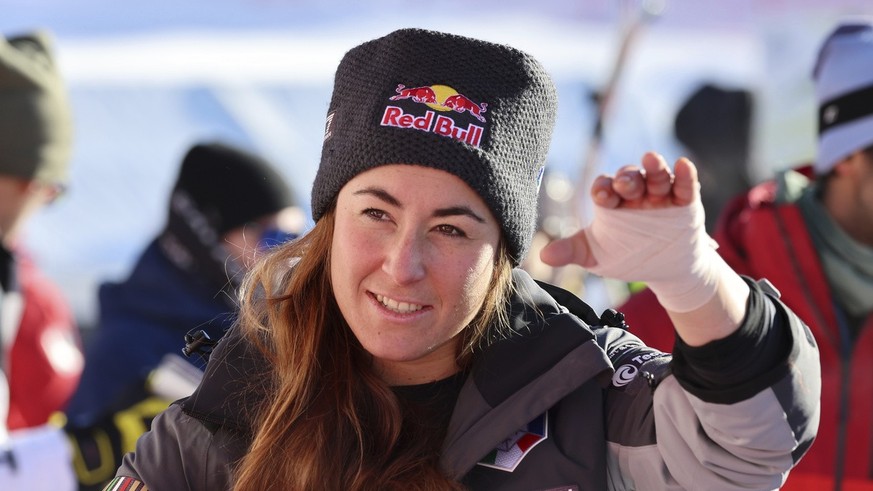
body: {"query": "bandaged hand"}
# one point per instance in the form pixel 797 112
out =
pixel 648 226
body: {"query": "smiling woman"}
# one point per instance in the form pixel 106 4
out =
pixel 397 345
pixel 411 266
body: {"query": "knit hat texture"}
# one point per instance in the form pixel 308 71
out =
pixel 36 129
pixel 231 186
pixel 843 76
pixel 481 111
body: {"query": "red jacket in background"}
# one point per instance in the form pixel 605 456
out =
pixel 764 239
pixel 46 358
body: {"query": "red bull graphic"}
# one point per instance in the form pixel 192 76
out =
pixel 461 103
pixel 440 98
pixel 422 95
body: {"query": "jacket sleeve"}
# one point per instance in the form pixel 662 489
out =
pixel 737 413
pixel 178 452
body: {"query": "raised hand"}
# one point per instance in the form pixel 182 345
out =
pixel 627 233
pixel 649 226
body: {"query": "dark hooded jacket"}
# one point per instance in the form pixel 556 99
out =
pixel 142 319
pixel 562 403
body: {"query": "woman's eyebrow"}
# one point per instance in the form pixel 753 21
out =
pixel 380 194
pixel 458 210
pixel 450 211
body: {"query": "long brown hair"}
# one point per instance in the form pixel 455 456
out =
pixel 330 422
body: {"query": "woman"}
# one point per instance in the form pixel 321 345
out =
pixel 396 347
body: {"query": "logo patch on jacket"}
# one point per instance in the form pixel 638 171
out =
pixel 624 375
pixel 125 484
pixel 628 359
pixel 511 451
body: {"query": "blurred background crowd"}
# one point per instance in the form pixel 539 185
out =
pixel 147 79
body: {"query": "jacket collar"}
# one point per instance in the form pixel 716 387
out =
pixel 550 353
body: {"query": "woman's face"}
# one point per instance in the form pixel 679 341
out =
pixel 412 258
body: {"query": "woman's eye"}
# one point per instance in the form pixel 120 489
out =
pixel 375 214
pixel 451 230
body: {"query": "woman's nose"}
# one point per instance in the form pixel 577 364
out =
pixel 404 261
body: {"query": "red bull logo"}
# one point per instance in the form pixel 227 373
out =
pixel 422 95
pixel 441 99
pixel 460 104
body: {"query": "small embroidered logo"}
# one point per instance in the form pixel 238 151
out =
pixel 830 113
pixel 511 451
pixel 328 131
pixel 624 375
pixel 126 484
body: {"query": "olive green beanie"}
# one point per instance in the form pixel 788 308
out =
pixel 35 116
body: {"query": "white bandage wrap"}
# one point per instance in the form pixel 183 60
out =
pixel 667 248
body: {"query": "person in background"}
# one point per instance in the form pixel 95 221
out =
pixel 40 347
pixel 227 204
pixel 397 345
pixel 810 232
pixel 714 126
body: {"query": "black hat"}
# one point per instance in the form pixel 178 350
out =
pixel 231 186
pixel 715 123
pixel 481 111
pixel 219 188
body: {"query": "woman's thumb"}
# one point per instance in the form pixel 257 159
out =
pixel 573 249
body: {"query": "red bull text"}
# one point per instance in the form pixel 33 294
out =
pixel 441 125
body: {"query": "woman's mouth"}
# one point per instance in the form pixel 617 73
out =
pixel 399 307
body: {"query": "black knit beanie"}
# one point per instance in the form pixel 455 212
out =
pixel 231 186
pixel 481 111
pixel 219 188
pixel 714 124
